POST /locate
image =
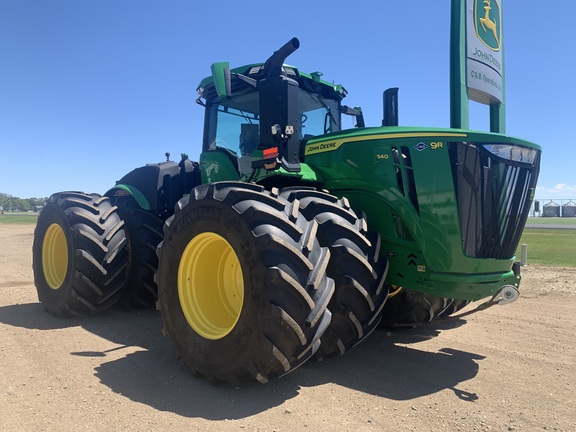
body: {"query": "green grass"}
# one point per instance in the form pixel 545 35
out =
pixel 551 221
pixel 19 218
pixel 551 247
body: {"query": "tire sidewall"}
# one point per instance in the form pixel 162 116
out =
pixel 52 299
pixel 230 351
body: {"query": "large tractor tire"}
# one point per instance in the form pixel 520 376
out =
pixel 355 266
pixel 79 254
pixel 145 232
pixel 407 308
pixel 242 283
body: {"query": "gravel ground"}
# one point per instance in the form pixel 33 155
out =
pixel 506 368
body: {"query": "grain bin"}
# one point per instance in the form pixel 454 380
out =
pixel 569 209
pixel 551 209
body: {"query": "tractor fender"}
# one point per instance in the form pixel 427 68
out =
pixel 157 187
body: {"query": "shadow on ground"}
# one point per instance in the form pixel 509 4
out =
pixel 388 365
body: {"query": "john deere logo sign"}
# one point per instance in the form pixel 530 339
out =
pixel 484 68
pixel 487 21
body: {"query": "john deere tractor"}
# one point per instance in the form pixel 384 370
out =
pixel 292 237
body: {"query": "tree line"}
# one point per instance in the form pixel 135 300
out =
pixel 10 203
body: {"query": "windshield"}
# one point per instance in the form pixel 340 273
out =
pixel 233 123
pixel 317 115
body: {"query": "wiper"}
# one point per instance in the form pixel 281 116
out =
pixel 317 98
pixel 246 117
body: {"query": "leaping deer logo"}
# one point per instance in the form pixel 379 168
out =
pixel 489 25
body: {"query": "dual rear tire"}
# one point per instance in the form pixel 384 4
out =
pixel 79 254
pixel 355 265
pixel 242 283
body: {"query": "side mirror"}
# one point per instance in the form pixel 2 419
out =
pixel 356 112
pixel 221 77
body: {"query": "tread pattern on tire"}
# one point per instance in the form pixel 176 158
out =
pixel 144 231
pixel 97 256
pixel 409 308
pixel 287 291
pixel 355 266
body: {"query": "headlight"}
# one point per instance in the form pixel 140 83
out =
pixel 511 152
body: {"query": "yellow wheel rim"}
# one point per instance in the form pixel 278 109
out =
pixel 54 256
pixel 210 285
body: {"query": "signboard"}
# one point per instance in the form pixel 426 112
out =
pixel 484 66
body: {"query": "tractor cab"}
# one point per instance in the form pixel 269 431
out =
pixel 261 115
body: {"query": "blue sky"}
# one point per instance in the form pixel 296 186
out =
pixel 90 89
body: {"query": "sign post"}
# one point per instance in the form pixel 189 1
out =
pixel 477 61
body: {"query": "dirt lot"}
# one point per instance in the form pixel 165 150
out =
pixel 507 368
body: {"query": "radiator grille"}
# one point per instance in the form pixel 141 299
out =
pixel 493 197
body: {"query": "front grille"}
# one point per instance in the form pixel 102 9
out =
pixel 493 197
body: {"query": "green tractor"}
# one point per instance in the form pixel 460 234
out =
pixel 292 238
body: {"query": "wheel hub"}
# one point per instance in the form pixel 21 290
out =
pixel 210 285
pixel 54 256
